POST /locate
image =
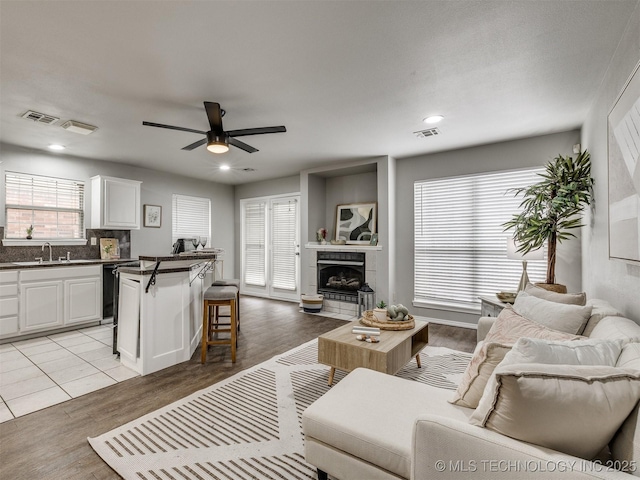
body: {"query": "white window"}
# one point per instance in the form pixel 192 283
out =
pixel 255 241
pixel 191 217
pixel 52 207
pixel 284 221
pixel 460 244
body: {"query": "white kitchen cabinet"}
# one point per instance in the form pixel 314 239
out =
pixel 42 305
pixel 115 203
pixel 82 300
pixel 9 303
pixel 129 320
pixel 51 298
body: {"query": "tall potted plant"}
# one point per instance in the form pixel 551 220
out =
pixel 551 208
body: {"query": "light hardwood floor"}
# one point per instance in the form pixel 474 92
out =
pixel 52 443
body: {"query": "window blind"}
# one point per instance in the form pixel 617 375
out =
pixel 283 243
pixel 191 217
pixel 53 206
pixel 460 244
pixel 255 243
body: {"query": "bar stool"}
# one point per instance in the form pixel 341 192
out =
pixel 216 296
pixel 230 282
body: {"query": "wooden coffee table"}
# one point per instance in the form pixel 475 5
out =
pixel 340 349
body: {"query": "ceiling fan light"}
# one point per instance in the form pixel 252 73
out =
pixel 218 147
pixel 217 143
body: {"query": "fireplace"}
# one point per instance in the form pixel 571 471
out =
pixel 340 275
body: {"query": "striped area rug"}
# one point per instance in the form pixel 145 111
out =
pixel 247 426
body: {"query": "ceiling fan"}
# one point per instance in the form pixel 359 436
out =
pixel 217 139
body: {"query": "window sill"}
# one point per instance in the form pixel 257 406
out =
pixel 451 307
pixel 38 242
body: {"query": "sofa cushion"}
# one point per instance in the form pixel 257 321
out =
pixel 376 428
pixel 566 298
pixel 625 446
pixel 600 309
pixel 566 318
pixel 575 409
pixel 616 327
pixel 630 356
pixel 506 330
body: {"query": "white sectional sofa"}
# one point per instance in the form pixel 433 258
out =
pixel 376 426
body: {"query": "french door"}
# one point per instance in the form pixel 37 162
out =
pixel 270 255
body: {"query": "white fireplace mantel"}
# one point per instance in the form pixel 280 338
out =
pixel 328 246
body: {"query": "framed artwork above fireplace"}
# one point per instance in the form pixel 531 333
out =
pixel 356 222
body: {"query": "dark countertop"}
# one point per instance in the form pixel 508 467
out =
pixel 179 257
pixel 84 262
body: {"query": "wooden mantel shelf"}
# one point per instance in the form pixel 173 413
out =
pixel 328 246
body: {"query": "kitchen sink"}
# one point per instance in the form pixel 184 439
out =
pixel 55 262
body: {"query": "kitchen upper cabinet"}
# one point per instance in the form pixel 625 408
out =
pixel 57 297
pixel 115 203
pixel 9 303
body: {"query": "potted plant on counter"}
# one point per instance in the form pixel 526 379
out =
pixel 551 208
pixel 29 232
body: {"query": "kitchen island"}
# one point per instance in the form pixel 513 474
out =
pixel 160 309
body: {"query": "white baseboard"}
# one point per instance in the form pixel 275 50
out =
pixel 451 323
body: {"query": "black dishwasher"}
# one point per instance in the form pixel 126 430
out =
pixel 107 290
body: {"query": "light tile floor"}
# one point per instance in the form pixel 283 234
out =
pixel 44 371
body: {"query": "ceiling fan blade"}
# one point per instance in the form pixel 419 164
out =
pixel 171 127
pixel 195 144
pixel 256 131
pixel 214 114
pixel 242 145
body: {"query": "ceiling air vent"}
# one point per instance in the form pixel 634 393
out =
pixel 429 132
pixel 248 169
pixel 40 117
pixel 78 127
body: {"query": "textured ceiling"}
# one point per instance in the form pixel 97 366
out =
pixel 349 79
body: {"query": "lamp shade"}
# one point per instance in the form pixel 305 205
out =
pixel 513 254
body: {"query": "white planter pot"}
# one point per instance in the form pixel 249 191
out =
pixel 380 314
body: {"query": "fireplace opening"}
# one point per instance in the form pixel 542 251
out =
pixel 340 275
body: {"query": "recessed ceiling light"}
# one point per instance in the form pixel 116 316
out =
pixel 55 146
pixel 433 119
pixel 224 167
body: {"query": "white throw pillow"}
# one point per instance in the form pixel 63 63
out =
pixel 508 328
pixel 566 318
pixel 566 298
pixel 559 352
pixel 575 409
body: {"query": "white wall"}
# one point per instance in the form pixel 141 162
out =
pixel 528 152
pixel 157 189
pixel 342 190
pixel 617 281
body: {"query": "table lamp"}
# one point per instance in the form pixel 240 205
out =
pixel 513 254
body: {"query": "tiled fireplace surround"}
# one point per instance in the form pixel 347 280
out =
pixel 334 306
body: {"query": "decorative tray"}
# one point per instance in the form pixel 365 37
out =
pixel 369 319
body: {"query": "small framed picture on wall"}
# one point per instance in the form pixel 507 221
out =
pixel 152 216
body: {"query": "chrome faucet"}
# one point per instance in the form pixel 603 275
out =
pixel 47 244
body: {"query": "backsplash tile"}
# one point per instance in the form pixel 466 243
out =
pixel 28 253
